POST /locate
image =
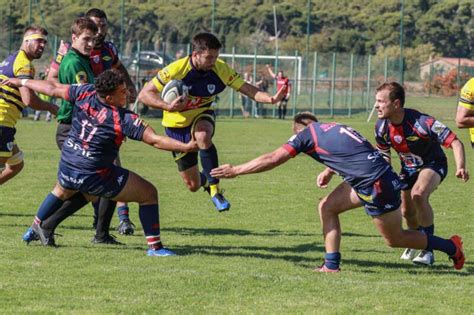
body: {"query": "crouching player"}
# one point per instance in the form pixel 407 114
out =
pixel 99 125
pixel 368 180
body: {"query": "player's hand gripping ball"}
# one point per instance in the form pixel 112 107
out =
pixel 173 90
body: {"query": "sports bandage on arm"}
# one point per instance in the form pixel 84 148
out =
pixel 15 159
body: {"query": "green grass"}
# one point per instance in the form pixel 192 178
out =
pixel 257 258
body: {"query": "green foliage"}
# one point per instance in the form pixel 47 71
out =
pixel 359 26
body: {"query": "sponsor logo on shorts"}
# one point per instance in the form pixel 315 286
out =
pixel 74 180
pixel 120 179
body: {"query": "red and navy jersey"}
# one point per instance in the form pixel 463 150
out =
pixel 417 139
pixel 342 149
pixel 100 59
pixel 97 131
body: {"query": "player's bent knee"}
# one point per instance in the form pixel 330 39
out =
pixel 325 207
pixel 192 186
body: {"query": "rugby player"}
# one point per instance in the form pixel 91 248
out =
pixel 99 126
pixel 368 180
pixel 14 99
pixel 465 111
pixel 193 117
pixel 103 56
pixel 281 81
pixel 417 138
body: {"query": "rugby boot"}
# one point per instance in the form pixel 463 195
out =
pixel 162 252
pixel 408 254
pixel 30 236
pixel 218 200
pixel 106 240
pixel 424 258
pixel 45 236
pixel 458 258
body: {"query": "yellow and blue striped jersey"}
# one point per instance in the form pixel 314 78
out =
pixel 466 98
pixel 203 87
pixel 19 66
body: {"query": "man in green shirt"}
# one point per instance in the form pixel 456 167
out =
pixel 75 69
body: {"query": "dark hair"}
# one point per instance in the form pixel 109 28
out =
pixel 108 81
pixel 36 29
pixel 81 24
pixel 304 118
pixel 205 41
pixel 97 13
pixel 396 91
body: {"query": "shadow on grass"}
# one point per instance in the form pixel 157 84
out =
pixel 212 231
pixel 407 267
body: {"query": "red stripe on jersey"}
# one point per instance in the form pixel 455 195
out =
pixel 117 128
pixel 315 140
pixel 290 149
pixel 397 137
pixel 84 95
pixel 447 143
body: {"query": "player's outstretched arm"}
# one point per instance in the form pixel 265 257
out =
pixel 262 97
pixel 263 163
pixel 26 88
pixel 166 143
pixel 460 160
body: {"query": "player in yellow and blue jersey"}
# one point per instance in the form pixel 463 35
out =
pixel 193 117
pixel 13 100
pixel 465 112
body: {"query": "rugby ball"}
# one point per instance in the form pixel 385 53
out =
pixel 173 90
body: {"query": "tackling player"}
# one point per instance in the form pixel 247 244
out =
pixel 103 56
pixel 369 181
pixel 465 112
pixel 13 99
pixel 417 138
pixel 193 118
pixel 99 126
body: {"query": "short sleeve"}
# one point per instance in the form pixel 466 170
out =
pixel 133 126
pixel 466 97
pixel 229 76
pixel 301 142
pixel 381 136
pixel 438 131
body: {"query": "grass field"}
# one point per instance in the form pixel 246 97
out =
pixel 257 258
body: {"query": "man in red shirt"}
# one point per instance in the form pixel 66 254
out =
pixel 281 81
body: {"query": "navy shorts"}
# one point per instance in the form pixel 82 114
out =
pixel 383 196
pixel 107 182
pixel 7 141
pixel 190 159
pixel 409 179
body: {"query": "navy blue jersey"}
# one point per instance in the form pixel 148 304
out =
pixel 97 131
pixel 342 149
pixel 417 139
